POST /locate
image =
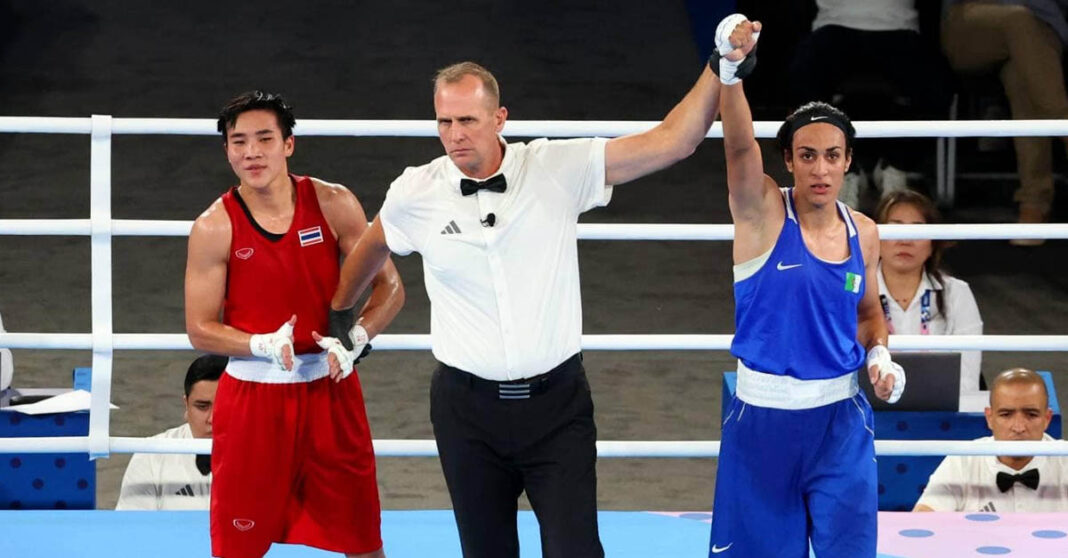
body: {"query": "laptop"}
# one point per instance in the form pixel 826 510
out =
pixel 932 382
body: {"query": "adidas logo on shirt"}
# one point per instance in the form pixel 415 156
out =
pixel 186 490
pixel 989 507
pixel 451 228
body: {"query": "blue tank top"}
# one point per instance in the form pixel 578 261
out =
pixel 797 314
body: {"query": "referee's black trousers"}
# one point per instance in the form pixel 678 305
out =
pixel 496 440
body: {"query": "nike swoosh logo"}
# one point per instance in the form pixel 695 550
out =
pixel 718 549
pixel 818 117
pixel 781 267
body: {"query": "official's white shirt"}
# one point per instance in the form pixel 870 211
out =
pixel 968 483
pixel 165 481
pixel 504 300
pixel 961 318
pixel 868 15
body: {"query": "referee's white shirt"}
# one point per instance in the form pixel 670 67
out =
pixel 504 299
pixel 968 483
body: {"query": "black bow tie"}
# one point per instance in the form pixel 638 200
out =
pixel 1027 478
pixel 493 184
pixel 204 464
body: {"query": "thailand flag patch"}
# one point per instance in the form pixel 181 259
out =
pixel 310 236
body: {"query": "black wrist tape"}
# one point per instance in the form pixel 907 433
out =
pixel 341 322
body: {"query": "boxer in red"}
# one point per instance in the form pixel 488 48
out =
pixel 292 458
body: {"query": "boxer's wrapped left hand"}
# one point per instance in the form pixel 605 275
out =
pixel 734 57
pixel 353 336
pixel 347 343
pixel 341 360
pixel 887 376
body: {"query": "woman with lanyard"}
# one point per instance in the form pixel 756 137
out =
pixel 917 297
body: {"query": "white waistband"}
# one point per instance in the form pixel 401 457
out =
pixel 306 368
pixel 786 392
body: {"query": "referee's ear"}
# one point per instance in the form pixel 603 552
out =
pixel 500 116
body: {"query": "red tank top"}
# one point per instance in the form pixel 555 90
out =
pixel 270 279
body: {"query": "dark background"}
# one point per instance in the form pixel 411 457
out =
pixel 574 60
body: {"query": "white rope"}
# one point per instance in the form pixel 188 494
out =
pixel 979 342
pixel 605 448
pixel 593 342
pixel 42 227
pixel 44 125
pixel 973 231
pixel 129 227
pixel 586 231
pixel 534 128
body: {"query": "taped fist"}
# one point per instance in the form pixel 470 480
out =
pixel 887 376
pixel 347 344
pixel 277 346
pixel 734 57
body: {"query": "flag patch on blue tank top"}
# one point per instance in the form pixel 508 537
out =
pixel 310 236
pixel 852 282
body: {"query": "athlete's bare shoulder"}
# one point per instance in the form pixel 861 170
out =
pixel 865 225
pixel 868 231
pixel 341 209
pixel 213 220
pixel 209 239
pixel 330 192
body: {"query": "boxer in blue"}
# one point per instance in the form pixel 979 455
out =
pixel 797 460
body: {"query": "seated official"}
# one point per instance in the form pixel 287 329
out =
pixel 173 481
pixel 918 297
pixel 1019 410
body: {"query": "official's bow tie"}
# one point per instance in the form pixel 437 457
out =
pixel 493 184
pixel 204 464
pixel 1027 478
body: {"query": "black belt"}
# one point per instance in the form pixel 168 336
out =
pixel 517 389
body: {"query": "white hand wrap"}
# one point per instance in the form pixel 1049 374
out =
pixel 728 68
pixel 723 33
pixel 271 345
pixel 359 339
pixel 346 359
pixel 879 356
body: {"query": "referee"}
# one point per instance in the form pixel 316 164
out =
pixel 496 225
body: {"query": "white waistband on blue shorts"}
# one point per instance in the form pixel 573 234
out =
pixel 306 368
pixel 786 392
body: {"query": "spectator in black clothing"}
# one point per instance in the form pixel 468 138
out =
pixel 873 42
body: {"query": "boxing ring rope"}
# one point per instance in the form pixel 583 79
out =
pixel 590 342
pixel 531 128
pixel 101 228
pixel 586 231
pixel 605 449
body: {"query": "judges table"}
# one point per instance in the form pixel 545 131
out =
pixel 903 478
pixel 46 480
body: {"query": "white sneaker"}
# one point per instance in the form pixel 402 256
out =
pixel 889 179
pixel 852 186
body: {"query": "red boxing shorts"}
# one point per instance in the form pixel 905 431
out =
pixel 292 463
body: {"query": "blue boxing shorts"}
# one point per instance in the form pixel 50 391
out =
pixel 790 476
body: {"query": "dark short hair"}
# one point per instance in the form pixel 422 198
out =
pixel 931 216
pixel 205 367
pixel 807 114
pixel 257 100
